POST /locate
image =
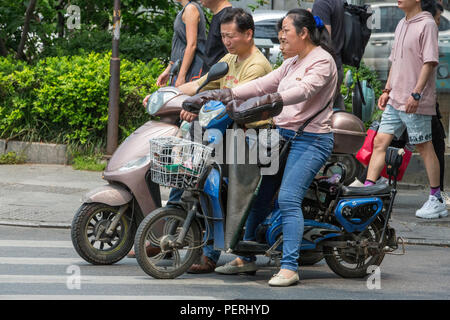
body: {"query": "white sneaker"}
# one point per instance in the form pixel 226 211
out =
pixel 446 198
pixel 432 209
pixel 356 183
pixel 382 180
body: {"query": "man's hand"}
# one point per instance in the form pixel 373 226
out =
pixel 383 100
pixel 411 105
pixel 187 116
pixel 180 80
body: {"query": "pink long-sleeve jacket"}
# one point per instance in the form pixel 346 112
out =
pixel 305 86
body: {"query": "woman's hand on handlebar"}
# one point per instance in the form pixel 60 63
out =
pixel 187 116
pixel 144 102
pixel 163 78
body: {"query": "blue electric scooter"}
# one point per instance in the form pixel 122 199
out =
pixel 349 226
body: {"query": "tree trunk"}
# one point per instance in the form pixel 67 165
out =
pixel 61 20
pixel 26 27
pixel 3 49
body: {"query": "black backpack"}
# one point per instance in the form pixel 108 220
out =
pixel 357 33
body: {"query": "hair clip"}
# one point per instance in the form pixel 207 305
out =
pixel 319 23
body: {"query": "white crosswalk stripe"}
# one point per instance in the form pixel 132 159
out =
pixel 36 244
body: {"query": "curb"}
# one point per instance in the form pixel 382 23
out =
pixel 427 242
pixel 55 225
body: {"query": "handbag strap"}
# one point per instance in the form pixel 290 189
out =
pixel 308 121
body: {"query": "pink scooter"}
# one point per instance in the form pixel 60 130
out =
pixel 104 227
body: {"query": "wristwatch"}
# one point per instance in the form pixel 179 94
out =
pixel 416 96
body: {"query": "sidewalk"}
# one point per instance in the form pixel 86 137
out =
pixel 38 195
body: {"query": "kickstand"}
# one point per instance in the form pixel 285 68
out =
pixel 389 250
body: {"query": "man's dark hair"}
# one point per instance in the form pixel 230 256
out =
pixel 280 24
pixel 242 18
pixel 429 5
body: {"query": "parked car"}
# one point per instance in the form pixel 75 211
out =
pixel 385 18
pixel 266 35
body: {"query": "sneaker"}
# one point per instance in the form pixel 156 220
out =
pixel 382 180
pixel 356 183
pixel 446 198
pixel 432 209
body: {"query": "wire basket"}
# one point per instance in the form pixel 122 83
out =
pixel 176 162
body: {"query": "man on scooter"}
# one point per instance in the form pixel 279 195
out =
pixel 246 63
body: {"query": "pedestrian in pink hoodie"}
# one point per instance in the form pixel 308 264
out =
pixel 409 99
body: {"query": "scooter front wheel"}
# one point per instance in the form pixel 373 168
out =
pixel 159 230
pixel 89 237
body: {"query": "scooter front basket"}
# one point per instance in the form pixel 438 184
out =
pixel 176 162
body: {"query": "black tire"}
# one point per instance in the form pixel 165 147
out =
pixel 153 230
pixel 309 258
pixel 339 260
pixel 108 249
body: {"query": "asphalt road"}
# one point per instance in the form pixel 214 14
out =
pixel 40 263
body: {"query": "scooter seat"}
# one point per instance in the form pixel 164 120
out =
pixel 377 189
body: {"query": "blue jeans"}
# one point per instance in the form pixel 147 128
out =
pixel 307 155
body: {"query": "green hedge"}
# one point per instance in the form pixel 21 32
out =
pixel 65 99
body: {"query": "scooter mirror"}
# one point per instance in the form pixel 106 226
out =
pixel 348 82
pixel 175 67
pixel 216 72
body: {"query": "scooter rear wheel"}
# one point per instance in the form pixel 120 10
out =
pixel 159 229
pixel 347 263
pixel 90 240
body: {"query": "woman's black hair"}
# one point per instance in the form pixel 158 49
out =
pixel 439 7
pixel 429 5
pixel 304 19
pixel 242 18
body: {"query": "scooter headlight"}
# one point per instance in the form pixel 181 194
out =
pixel 136 163
pixel 213 110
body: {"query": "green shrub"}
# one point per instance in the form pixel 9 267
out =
pixel 364 73
pixel 133 47
pixel 89 162
pixel 12 158
pixel 65 99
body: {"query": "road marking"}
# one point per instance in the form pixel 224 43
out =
pixel 41 261
pixel 36 244
pixel 101 297
pixel 127 280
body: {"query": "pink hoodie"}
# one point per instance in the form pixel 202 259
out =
pixel 305 86
pixel 415 43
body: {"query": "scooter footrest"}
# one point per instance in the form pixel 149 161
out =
pixel 377 189
pixel 251 247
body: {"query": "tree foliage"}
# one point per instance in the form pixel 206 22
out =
pixel 146 28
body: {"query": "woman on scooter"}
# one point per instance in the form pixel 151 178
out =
pixel 188 45
pixel 303 85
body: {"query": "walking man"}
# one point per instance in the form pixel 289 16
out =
pixel 409 99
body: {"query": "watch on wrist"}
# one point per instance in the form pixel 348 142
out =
pixel 416 96
pixel 386 91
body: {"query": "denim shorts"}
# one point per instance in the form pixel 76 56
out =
pixel 395 122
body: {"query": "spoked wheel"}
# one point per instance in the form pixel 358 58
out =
pixel 351 262
pixel 160 229
pixel 89 235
